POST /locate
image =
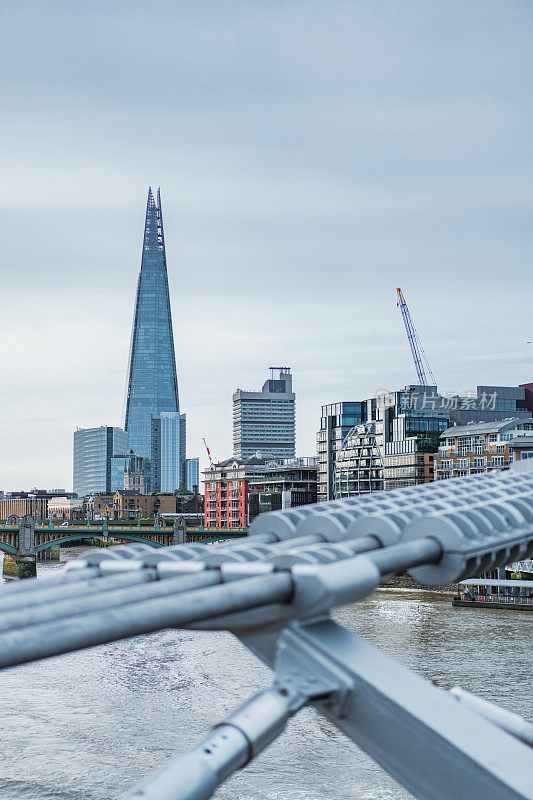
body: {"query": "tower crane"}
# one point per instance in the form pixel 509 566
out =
pixel 208 452
pixel 423 370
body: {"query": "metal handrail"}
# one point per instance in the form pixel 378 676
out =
pixel 275 590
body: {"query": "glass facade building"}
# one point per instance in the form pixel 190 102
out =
pixel 192 477
pixel 152 420
pixel 407 425
pixel 152 377
pixel 337 421
pixel 359 464
pixel 95 452
pixel 171 477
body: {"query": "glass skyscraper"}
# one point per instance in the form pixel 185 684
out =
pixel 152 418
pixel 96 453
pixel 193 474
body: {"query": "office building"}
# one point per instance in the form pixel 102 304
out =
pixel 65 508
pixel 359 464
pixel 337 421
pixel 406 429
pixel 264 422
pixel 192 477
pixel 94 449
pixel 155 428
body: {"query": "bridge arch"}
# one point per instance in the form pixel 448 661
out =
pixel 8 548
pixel 87 535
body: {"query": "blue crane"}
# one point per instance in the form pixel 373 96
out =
pixel 423 370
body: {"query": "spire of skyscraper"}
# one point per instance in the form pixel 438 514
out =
pixel 152 385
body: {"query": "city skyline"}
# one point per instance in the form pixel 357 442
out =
pixel 302 185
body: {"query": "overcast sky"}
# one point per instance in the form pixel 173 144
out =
pixel 312 157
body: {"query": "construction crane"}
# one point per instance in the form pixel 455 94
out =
pixel 423 370
pixel 208 452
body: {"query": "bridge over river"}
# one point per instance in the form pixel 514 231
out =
pixel 22 540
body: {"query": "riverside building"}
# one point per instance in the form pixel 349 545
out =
pixel 264 421
pixel 33 503
pixel 482 446
pixel 236 490
pixel 405 427
pixel 192 474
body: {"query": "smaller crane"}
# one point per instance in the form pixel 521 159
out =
pixel 208 452
pixel 423 370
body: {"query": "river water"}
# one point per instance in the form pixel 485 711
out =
pixel 90 725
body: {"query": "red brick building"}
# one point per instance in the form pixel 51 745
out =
pixel 226 491
pixel 238 490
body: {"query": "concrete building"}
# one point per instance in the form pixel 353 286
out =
pixel 482 446
pixel 264 422
pixel 94 449
pixel 234 485
pixel 407 427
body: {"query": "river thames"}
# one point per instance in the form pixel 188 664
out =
pixel 90 725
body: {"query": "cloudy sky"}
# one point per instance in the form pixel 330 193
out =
pixel 312 157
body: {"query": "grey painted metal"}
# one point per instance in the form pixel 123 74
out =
pixel 276 590
pixel 196 774
pixel 395 716
pixel 49 594
pixel 504 719
pixel 30 584
pixel 229 747
pixel 122 591
pixel 75 633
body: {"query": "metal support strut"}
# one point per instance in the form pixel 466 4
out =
pixel 275 591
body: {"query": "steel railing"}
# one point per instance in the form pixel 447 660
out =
pixel 275 590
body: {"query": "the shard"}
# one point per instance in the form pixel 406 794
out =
pixel 152 419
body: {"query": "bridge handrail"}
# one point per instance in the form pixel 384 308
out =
pixel 275 591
